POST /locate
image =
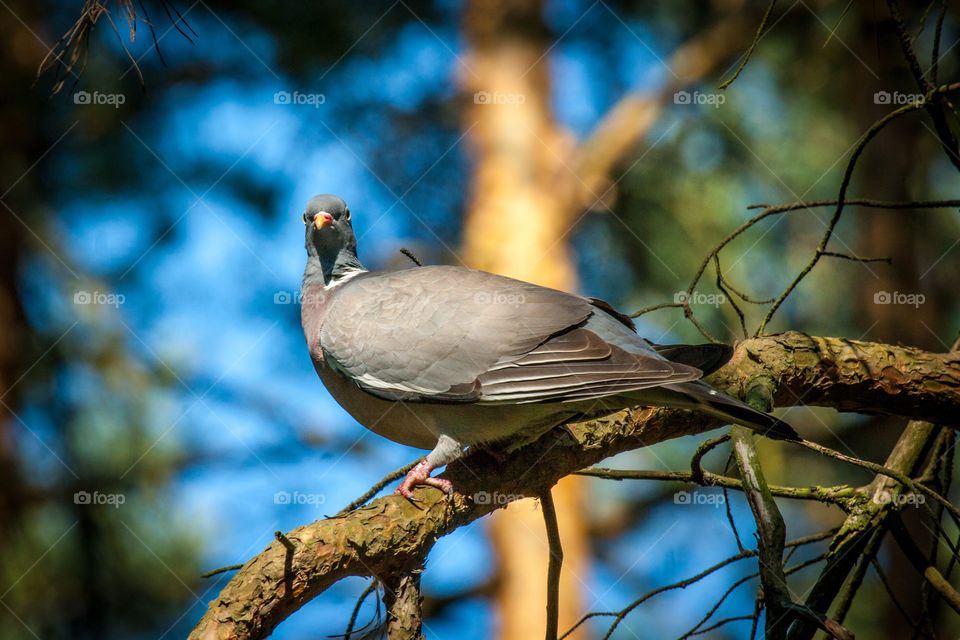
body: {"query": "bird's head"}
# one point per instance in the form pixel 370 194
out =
pixel 329 235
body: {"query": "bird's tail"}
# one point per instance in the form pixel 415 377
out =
pixel 709 400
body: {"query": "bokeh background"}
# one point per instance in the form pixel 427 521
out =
pixel 158 401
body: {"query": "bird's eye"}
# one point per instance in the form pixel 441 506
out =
pixel 306 218
pixel 348 215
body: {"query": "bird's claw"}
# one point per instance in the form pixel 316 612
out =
pixel 420 474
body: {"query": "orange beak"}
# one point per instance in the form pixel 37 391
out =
pixel 322 219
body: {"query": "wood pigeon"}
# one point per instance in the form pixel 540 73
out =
pixel 446 357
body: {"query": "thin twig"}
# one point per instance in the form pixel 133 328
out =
pixel 375 489
pixel 554 564
pixel 893 597
pixel 356 608
pixel 210 574
pixel 856 580
pixel 856 258
pixel 772 210
pixel 696 470
pixel 880 469
pixel 285 541
pixel 841 198
pixel 682 584
pixel 753 45
pixel 839 495
pixel 411 255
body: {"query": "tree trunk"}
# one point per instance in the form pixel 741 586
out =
pixel 517 225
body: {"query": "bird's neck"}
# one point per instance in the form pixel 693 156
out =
pixel 330 272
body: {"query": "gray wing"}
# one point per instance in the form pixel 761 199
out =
pixel 451 334
pixel 428 333
pixel 602 357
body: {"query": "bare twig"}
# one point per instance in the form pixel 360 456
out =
pixel 231 567
pixel 874 540
pixel 356 608
pixel 893 596
pixel 696 470
pixel 682 584
pixel 375 489
pixel 838 495
pixel 841 198
pixel 929 572
pixel 554 565
pixel 857 539
pixel 285 541
pixel 934 101
pixel 411 255
pixel 753 45
pixel 774 210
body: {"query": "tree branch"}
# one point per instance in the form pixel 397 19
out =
pixel 392 535
pixel 402 599
pixel 554 565
pixel 771 533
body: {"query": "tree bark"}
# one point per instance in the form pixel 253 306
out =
pixel 392 535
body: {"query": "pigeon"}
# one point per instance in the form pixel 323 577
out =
pixel 446 357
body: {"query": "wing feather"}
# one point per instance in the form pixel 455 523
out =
pixel 451 334
pixel 595 370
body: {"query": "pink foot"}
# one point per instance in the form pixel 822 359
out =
pixel 420 474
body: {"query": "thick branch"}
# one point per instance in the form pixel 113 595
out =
pixel 402 599
pixel 393 535
pixel 849 375
pixel 771 533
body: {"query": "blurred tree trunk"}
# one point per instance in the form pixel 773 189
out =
pixel 885 172
pixel 516 225
pixel 22 142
